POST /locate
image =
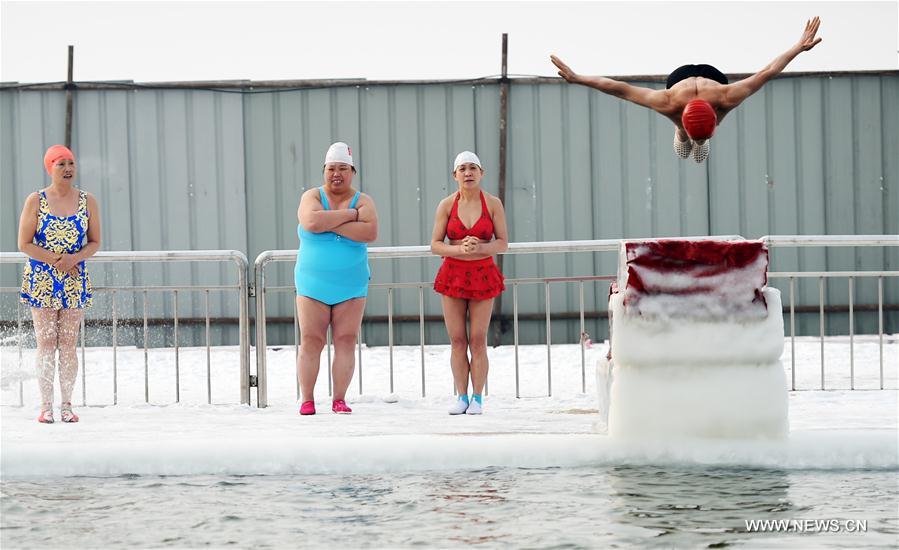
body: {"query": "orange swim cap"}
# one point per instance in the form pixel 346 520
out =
pixel 699 119
pixel 54 153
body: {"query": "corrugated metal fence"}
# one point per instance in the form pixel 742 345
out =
pixel 203 169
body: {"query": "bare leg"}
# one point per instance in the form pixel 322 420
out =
pixel 314 317
pixel 45 332
pixel 69 326
pixel 454 312
pixel 479 312
pixel 346 319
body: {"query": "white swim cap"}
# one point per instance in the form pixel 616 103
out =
pixel 464 157
pixel 339 152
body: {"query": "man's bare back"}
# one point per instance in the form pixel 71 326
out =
pixel 673 101
pixel 696 87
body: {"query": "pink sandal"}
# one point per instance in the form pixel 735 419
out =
pixel 339 406
pixel 65 412
pixel 46 416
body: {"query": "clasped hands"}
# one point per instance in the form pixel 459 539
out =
pixel 67 263
pixel 470 244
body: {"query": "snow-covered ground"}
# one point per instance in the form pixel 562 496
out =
pixel 400 430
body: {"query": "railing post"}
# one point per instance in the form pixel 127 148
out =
pixel 177 355
pixel 359 351
pixel 792 337
pixel 583 334
pixel 328 341
pixel 19 346
pixel 296 346
pixel 261 371
pixel 243 290
pixel 880 324
pixel 115 353
pixel 146 356
pixel 549 341
pixel 208 351
pixel 515 335
pixel 821 325
pixel 421 334
pixel 851 336
pixel 83 362
pixel 390 333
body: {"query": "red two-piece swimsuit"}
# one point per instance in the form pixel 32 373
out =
pixel 469 279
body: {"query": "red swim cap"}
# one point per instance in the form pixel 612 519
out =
pixel 699 119
pixel 54 153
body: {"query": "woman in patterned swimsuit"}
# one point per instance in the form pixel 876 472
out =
pixel 475 224
pixel 59 228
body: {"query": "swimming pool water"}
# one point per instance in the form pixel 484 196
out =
pixel 588 507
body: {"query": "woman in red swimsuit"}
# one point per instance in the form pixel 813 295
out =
pixel 474 222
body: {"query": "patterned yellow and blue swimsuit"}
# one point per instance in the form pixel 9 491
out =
pixel 42 284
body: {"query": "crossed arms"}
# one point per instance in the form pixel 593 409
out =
pixel 359 224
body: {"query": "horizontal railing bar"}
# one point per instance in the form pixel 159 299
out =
pixel 414 318
pixel 531 280
pixel 540 280
pixel 508 281
pixel 424 251
pixel 139 321
pixel 830 274
pixel 574 279
pixel 561 315
pixel 192 288
pixel 113 256
pixel 541 247
pixel 843 309
pixel 8 289
pixel 830 240
pixel 223 321
pixel 544 247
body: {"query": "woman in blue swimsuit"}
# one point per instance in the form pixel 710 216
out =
pixel 332 273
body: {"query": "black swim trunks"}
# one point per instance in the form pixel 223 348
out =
pixel 687 71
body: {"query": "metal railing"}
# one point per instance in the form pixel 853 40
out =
pixel 773 241
pixel 261 291
pixel 776 241
pixel 270 256
pixel 191 256
pixel 821 276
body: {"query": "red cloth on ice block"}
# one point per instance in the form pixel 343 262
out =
pixel 706 278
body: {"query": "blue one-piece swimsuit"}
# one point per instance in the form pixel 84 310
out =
pixel 331 268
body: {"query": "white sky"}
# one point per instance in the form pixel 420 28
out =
pixel 216 40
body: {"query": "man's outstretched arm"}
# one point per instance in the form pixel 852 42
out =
pixel 737 92
pixel 656 100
